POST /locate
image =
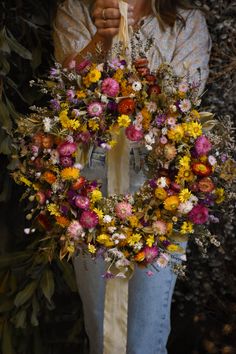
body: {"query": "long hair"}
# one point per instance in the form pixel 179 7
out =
pixel 167 11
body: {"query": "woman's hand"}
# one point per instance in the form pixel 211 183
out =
pixel 106 16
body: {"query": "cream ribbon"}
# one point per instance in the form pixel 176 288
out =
pixel 116 293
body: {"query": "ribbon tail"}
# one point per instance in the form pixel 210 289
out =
pixel 116 316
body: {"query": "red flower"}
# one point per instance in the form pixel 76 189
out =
pixel 154 90
pixel 79 183
pixel 199 214
pixel 126 106
pixel 200 169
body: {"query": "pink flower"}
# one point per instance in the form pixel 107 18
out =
pixel 110 87
pixel 66 161
pixel 133 133
pixel 82 202
pixel 95 109
pixel 150 253
pixel 185 105
pixel 123 210
pixel 70 94
pixel 89 219
pixel 41 198
pixel 159 227
pixel 202 145
pixel 199 214
pixel 163 140
pixel 67 149
pixel 75 229
pixel 83 67
pixel 163 260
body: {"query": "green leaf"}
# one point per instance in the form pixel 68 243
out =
pixel 24 295
pixel 68 274
pixel 47 284
pixel 7 339
pixel 14 114
pixel 5 119
pixel 35 310
pixel 11 259
pixel 20 319
pixel 5 146
pixel 36 57
pixel 17 47
pixel 4 66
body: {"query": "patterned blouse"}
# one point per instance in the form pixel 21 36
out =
pixel 181 46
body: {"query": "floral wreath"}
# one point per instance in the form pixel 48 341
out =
pixel 186 169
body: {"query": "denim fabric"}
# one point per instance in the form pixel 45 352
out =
pixel 149 297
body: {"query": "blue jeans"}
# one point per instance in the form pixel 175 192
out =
pixel 149 297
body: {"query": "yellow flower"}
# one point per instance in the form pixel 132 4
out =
pixel 91 248
pixel 181 94
pixel 99 213
pixel 118 76
pixel 186 228
pixel 112 143
pixel 105 240
pixel 160 193
pixel 184 195
pixel 195 114
pixel 139 257
pixel 96 195
pixel 93 124
pixel 146 118
pixel 70 248
pixel 25 181
pixel 171 203
pixel 193 129
pixel 176 133
pixel 133 239
pixel 184 175
pixel 133 221
pixel 94 75
pixel 70 173
pixel 150 240
pixel 220 194
pixel 124 120
pixel 80 94
pixel 66 122
pixel 185 161
pixel 172 248
pixel 169 228
pixel 126 89
pixel 162 238
pixel 53 209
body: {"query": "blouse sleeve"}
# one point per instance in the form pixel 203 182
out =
pixel 193 46
pixel 72 29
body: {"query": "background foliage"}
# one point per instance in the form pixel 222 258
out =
pixel 40 311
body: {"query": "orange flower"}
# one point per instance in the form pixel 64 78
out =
pixel 49 177
pixel 62 221
pixel 146 118
pixel 140 256
pixel 200 169
pixel 171 203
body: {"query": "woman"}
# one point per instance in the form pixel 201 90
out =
pixel 180 38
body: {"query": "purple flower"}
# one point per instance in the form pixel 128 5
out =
pixel 54 72
pixel 112 106
pixel 66 161
pixel 55 104
pixel 199 214
pixel 67 149
pixel 95 109
pixel 160 119
pixel 202 145
pixel 152 183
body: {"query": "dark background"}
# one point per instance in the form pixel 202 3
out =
pixel 40 311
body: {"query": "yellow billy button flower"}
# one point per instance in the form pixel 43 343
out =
pixel 124 120
pixel 185 195
pixel 80 94
pixel 171 203
pixel 133 221
pixel 195 114
pixel 105 240
pixel 186 228
pixel 91 248
pixel 70 173
pixel 96 195
pixel 176 133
